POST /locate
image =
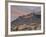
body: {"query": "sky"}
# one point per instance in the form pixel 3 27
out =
pixel 17 11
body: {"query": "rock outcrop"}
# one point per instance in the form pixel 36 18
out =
pixel 26 22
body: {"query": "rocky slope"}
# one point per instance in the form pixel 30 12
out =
pixel 26 22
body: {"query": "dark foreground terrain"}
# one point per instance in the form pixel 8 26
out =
pixel 26 22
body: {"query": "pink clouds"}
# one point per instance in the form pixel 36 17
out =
pixel 16 12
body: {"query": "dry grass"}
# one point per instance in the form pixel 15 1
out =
pixel 32 26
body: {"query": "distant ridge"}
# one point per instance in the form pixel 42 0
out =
pixel 25 19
